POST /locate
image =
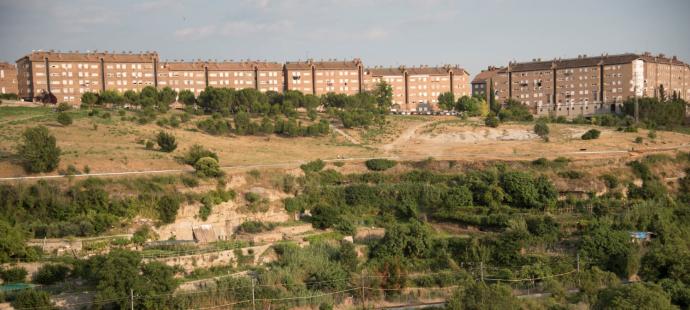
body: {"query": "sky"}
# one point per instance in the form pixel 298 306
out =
pixel 472 34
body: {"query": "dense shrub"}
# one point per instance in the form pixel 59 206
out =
pixel 491 121
pixel 591 134
pixel 313 166
pixel 167 208
pixel 197 152
pixel 513 110
pixel 63 106
pixel 207 167
pixel 32 299
pixel 13 274
pixel 166 141
pixel 380 164
pixel 542 130
pixel 38 150
pixel 253 227
pixel 51 273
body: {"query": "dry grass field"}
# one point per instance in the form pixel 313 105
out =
pixel 116 145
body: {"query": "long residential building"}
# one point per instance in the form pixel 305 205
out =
pixel 8 78
pixel 587 85
pixel 417 88
pixel 69 75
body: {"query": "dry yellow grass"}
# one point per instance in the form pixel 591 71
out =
pixel 116 146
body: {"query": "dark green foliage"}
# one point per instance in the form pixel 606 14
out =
pixel 480 296
pixel 668 114
pixel 446 101
pixel 313 166
pixel 524 191
pixel 197 152
pixel 513 110
pixel 457 197
pixel 207 167
pixel 634 296
pixel 380 164
pixel 591 134
pixel 118 272
pixel 33 299
pixel 38 150
pixel 491 121
pixel 141 235
pixel 51 273
pixel 610 180
pixel 216 125
pixel 324 216
pixel 542 130
pixel 64 119
pixel 166 141
pixel 609 248
pixel 12 238
pixel 167 208
pixel 404 240
pixel 13 274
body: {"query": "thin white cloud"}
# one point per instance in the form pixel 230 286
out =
pixel 234 29
pixel 196 32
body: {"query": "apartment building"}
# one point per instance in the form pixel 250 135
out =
pixel 68 75
pixel 181 75
pixel 481 84
pixel 417 88
pixel 395 77
pixel 589 85
pixel 333 76
pixel 323 77
pixel 269 76
pixel 8 78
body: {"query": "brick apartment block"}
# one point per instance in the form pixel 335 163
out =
pixel 8 78
pixel 586 85
pixel 417 88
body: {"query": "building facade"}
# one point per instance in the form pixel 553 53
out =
pixel 481 84
pixel 69 75
pixel 416 89
pixel 8 78
pixel 590 85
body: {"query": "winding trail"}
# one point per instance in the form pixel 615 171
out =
pixel 404 137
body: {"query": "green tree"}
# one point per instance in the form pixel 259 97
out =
pixel 446 101
pixel 591 134
pixel 478 295
pixel 38 150
pixel 13 275
pixel 12 242
pixel 186 96
pixel 207 167
pixel 542 130
pixel 197 152
pixel 643 296
pixel 166 141
pixel 33 299
pixel 89 99
pixel 166 96
pixel 110 97
pixel 51 273
pixel 167 208
pixel 470 105
pixel 384 95
pixel 64 119
pixel 607 248
pixel 491 121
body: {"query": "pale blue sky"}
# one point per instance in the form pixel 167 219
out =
pixel 473 34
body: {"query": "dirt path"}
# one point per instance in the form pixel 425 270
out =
pixel 405 137
pixel 344 134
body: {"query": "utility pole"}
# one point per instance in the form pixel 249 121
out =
pixel 637 106
pixel 131 298
pixel 361 280
pixel 253 299
pixel 481 270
